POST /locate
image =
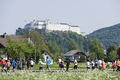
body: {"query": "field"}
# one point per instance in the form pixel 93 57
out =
pixel 82 75
pixel 61 76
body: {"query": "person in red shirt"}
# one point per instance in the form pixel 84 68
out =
pixel 3 62
pixel 118 65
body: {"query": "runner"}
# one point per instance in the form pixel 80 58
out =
pixel 59 62
pixel 28 64
pixel 31 64
pixel 100 64
pixel 103 65
pixel 88 65
pixel 118 65
pixel 92 64
pixel 18 64
pixel 3 62
pixel 14 65
pixel 62 65
pixel 114 65
pixel 8 65
pixel 40 64
pixel 96 63
pixel 75 64
pixel 48 63
pixel 67 64
pixel 23 64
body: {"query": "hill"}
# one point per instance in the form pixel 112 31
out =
pixel 64 40
pixel 108 36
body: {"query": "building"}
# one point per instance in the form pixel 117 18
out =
pixel 75 54
pixel 45 55
pixel 4 41
pixel 48 26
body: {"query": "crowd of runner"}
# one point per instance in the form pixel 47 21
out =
pixel 90 64
pixel 101 65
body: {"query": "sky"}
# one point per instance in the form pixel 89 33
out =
pixel 90 15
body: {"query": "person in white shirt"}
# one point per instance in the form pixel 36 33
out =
pixel 92 64
pixel 31 63
pixel 100 64
pixel 59 62
pixel 75 64
pixel 88 64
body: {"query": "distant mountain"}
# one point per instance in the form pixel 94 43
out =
pixel 109 35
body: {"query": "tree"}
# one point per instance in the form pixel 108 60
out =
pixel 96 49
pixel 73 45
pixel 62 39
pixel 19 48
pixel 37 40
pixel 53 47
pixel 112 53
pixel 118 52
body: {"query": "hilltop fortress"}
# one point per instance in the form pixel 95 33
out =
pixel 48 26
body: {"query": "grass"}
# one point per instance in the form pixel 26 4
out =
pixel 62 76
pixel 55 66
pixel 91 75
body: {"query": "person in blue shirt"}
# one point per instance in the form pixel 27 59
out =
pixel 48 63
pixel 14 65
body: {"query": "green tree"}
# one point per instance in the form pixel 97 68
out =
pixel 112 53
pixel 53 47
pixel 96 49
pixel 19 48
pixel 37 40
pixel 118 52
pixel 73 45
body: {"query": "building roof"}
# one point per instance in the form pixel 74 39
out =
pixel 4 40
pixel 73 52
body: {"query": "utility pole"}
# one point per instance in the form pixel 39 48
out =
pixel 35 52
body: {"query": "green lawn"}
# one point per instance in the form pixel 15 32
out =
pixel 56 67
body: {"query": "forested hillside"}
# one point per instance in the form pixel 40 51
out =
pixel 108 36
pixel 61 42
